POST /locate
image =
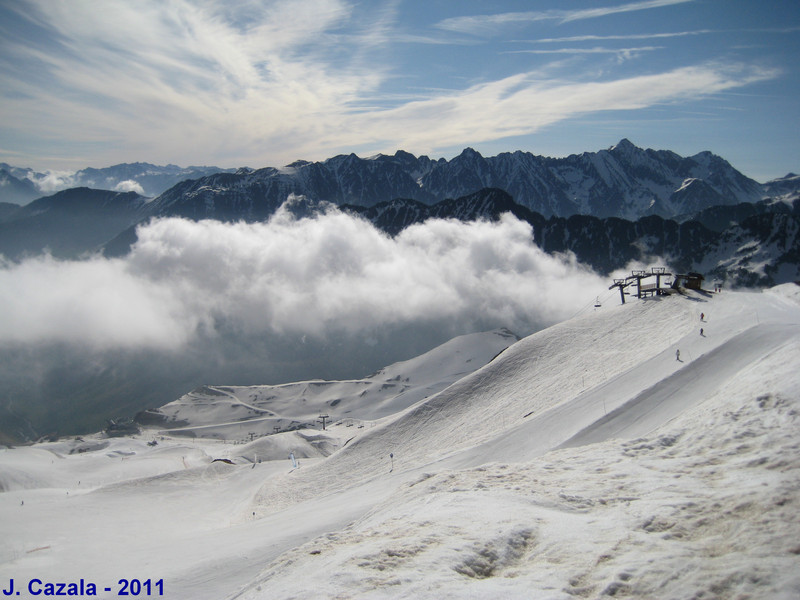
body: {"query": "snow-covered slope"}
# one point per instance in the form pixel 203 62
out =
pixel 675 477
pixel 230 412
pixel 551 385
pixel 584 461
pixel 703 507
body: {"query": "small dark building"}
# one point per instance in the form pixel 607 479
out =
pixel 692 281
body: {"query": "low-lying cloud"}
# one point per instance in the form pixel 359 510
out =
pixel 130 185
pixel 330 275
pixel 50 181
pixel 206 302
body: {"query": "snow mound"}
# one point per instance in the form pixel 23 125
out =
pixel 303 444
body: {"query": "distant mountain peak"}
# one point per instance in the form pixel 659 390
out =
pixel 470 152
pixel 298 163
pixel 624 145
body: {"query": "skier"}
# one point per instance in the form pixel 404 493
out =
pixel 677 354
pixel 701 332
pixel 702 316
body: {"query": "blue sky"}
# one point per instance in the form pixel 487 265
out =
pixel 263 83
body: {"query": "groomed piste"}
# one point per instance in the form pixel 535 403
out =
pixel 619 453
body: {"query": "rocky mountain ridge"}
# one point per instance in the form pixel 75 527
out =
pixel 624 181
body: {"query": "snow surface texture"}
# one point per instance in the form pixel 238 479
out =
pixel 585 461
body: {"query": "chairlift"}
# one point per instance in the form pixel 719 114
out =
pixel 597 302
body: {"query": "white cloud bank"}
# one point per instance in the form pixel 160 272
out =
pixel 327 276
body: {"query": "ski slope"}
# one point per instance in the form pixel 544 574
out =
pixel 231 411
pixel 583 461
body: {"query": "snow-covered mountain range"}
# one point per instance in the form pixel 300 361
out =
pixel 624 181
pixel 622 452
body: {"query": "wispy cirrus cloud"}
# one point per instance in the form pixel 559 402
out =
pixel 491 24
pixel 524 103
pixel 632 36
pixel 153 68
pixel 621 52
pixel 263 82
pixel 604 11
pixel 660 36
